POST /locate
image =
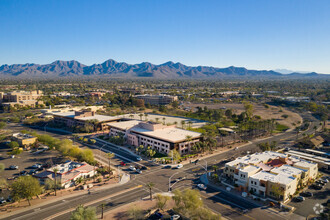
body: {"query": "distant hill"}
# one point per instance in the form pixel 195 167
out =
pixel 112 68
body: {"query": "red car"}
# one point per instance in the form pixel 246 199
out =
pixel 122 163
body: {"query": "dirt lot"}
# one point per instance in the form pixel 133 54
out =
pixel 120 213
pixel 272 112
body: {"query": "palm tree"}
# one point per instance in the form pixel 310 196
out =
pixel 110 155
pixel 215 167
pixel 183 123
pixel 164 120
pixel 102 209
pixel 189 139
pixel 55 170
pixel 131 116
pixel 141 115
pixel 146 116
pixel 149 186
pixel 189 123
pixel 157 119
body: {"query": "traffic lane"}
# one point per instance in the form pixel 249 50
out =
pixel 229 198
pixel 225 210
pixel 64 204
pixel 123 155
pixel 113 202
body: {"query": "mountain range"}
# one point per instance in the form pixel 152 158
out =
pixel 111 68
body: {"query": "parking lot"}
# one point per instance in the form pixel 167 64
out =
pixel 306 208
pixel 24 161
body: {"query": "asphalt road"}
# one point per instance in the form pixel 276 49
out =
pixel 219 202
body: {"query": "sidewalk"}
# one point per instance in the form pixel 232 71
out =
pixel 125 178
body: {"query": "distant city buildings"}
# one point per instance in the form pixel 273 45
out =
pixel 270 174
pixel 156 135
pixel 21 98
pixel 157 99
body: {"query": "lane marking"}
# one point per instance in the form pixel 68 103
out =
pixel 94 201
pixel 229 206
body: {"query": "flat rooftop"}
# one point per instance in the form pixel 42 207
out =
pixel 279 178
pixel 171 134
pixel 256 158
pixel 100 118
pixel 249 169
pixel 124 125
pixel 288 170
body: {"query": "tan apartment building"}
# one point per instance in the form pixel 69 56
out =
pixel 21 98
pixel 24 140
pixel 157 99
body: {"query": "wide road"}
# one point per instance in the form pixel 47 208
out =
pixel 223 203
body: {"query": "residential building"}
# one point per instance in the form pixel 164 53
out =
pixel 67 173
pixel 21 98
pixel 24 140
pixel 160 137
pixel 157 99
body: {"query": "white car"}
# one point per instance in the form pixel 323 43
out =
pixel 175 217
pixel 132 168
pixel 201 186
pixel 179 166
pixel 139 158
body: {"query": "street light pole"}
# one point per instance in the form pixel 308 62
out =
pixel 169 181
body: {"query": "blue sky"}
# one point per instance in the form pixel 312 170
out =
pixel 257 34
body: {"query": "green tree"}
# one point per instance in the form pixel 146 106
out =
pixel 84 213
pixel 109 156
pixel 13 144
pixel 248 109
pixel 50 185
pixel 161 201
pixel 175 155
pixel 25 187
pixel 149 186
pixel 55 170
pixel 2 125
pixel 135 213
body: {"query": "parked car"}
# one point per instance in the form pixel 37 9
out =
pixel 317 186
pixel 36 166
pixel 122 163
pixel 175 217
pixel 307 194
pixel 320 182
pixel 300 198
pixel 132 168
pixel 179 166
pixel 167 167
pixel 2 200
pixel 201 186
pixel 13 167
pixel 139 171
pixel 32 172
pixel 139 158
pixel 23 173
